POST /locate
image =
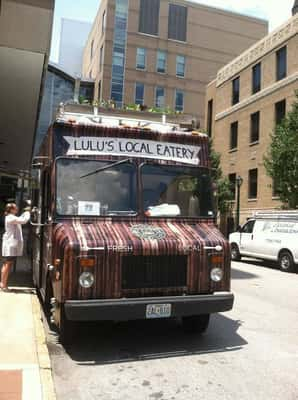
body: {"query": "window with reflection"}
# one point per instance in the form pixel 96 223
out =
pixel 176 191
pixel 95 188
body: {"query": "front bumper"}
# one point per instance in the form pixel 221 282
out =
pixel 135 308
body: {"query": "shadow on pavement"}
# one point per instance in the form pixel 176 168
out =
pixel 239 274
pixel 260 263
pixel 145 340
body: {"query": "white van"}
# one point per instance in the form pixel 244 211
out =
pixel 268 236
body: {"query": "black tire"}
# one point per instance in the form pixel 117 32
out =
pixel 196 323
pixel 286 262
pixel 48 296
pixel 235 253
pixel 67 329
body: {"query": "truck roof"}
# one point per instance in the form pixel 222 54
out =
pixel 160 123
pixel 284 215
pixel 114 135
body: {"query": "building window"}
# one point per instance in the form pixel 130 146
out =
pixel 236 90
pixel 103 24
pixel 255 127
pixel 139 95
pixel 232 180
pixel 179 100
pixel 161 64
pixel 119 51
pixel 256 78
pixel 280 111
pixel 281 63
pixel 252 183
pixel 92 49
pixel 177 24
pixel 210 117
pixel 149 17
pixel 234 136
pixel 141 58
pixel 159 97
pixel 180 66
pixel 101 58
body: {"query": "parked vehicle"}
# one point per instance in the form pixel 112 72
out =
pixel 124 226
pixel 268 236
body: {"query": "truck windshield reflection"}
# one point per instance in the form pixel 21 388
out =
pixel 105 188
pixel 111 191
pixel 176 191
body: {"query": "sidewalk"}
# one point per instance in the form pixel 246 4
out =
pixel 25 370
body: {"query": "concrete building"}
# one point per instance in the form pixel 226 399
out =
pixel 244 103
pixel 25 34
pixel 162 53
pixel 73 38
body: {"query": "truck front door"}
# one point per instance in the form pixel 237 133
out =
pixel 246 238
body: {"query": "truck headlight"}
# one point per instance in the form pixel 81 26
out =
pixel 216 274
pixel 86 280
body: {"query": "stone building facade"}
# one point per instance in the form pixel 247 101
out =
pixel 244 103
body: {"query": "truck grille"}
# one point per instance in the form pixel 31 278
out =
pixel 146 272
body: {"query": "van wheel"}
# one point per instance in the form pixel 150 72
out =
pixel 286 261
pixel 67 329
pixel 235 253
pixel 196 323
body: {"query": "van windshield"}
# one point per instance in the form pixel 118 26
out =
pixel 94 188
pixel 176 191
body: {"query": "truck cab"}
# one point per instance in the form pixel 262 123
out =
pixel 124 224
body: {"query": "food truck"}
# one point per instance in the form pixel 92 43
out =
pixel 124 223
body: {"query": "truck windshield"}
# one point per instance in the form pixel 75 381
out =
pixel 176 191
pixel 109 191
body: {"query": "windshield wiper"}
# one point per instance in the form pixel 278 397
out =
pixel 104 168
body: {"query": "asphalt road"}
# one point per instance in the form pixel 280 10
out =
pixel 249 353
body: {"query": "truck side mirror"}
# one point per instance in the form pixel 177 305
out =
pixel 35 215
pixel 239 228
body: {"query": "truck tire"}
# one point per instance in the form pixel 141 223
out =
pixel 67 329
pixel 235 253
pixel 196 323
pixel 286 261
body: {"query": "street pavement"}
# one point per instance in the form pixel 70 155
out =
pixel 24 360
pixel 249 353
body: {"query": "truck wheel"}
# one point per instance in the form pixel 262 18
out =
pixel 286 261
pixel 235 253
pixel 66 329
pixel 196 323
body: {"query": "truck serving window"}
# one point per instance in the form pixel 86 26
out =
pixel 95 188
pixel 176 191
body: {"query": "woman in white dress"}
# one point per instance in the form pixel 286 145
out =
pixel 13 243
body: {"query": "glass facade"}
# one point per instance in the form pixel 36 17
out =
pixel 119 52
pixel 180 66
pixel 179 100
pixel 139 94
pixel 160 97
pixel 161 63
pixel 141 58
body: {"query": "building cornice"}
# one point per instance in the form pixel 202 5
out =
pixel 259 50
pixel 258 96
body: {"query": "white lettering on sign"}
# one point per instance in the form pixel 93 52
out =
pixel 182 153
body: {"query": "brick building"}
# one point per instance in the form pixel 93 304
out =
pixel 244 103
pixel 163 53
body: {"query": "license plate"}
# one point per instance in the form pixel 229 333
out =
pixel 158 311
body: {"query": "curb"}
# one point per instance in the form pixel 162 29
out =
pixel 48 390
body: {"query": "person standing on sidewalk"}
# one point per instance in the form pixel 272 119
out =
pixel 13 243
